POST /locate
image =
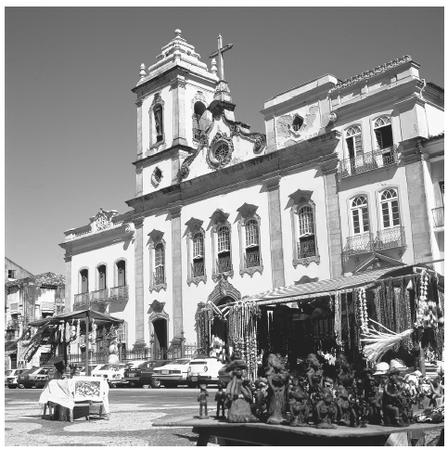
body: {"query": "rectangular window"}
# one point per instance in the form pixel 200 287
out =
pixel 386 217
pixel 356 224
pixel 11 273
pixel 306 247
pixel 384 137
pixel 365 219
pixel 252 256
pixel 198 267
pixel 395 213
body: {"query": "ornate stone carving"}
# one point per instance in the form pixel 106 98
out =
pixel 285 128
pixel 220 152
pixel 156 311
pixel 362 77
pixel 102 220
pixel 306 261
pixel 224 289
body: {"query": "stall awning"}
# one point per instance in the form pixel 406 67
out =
pixel 319 288
pixel 100 318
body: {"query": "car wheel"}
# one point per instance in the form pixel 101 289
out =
pixel 12 387
pixel 131 384
pixel 21 386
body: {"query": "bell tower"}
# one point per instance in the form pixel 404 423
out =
pixel 172 96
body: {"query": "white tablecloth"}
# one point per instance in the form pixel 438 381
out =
pixel 77 389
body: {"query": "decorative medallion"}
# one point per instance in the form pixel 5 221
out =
pixel 224 289
pixel 156 177
pixel 220 151
pixel 102 220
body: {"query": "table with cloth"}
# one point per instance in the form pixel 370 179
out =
pixel 77 392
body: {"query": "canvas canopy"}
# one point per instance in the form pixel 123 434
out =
pixel 100 318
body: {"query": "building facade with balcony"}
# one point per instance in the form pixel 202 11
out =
pixel 27 299
pixel 221 212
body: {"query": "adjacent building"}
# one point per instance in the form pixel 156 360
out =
pixel 28 297
pixel 348 177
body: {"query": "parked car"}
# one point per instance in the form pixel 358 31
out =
pixel 114 374
pixel 143 374
pixel 11 378
pixel 36 377
pixel 203 370
pixel 173 373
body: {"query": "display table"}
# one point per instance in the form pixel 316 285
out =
pixel 77 393
pixel 265 434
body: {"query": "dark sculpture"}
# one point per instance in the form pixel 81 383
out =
pixel 299 407
pixel 220 399
pixel 393 406
pixel 202 399
pixel 326 410
pixel 277 378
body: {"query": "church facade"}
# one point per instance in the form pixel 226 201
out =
pixel 347 177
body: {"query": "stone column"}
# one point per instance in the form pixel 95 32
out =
pixel 176 254
pixel 139 284
pixel 179 119
pixel 275 232
pixel 138 181
pixel 328 170
pixel 420 225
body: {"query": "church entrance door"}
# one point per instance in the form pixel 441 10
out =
pixel 160 345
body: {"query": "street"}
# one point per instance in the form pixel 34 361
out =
pixel 133 411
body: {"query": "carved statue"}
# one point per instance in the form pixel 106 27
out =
pixel 202 399
pixel 261 398
pixel 393 407
pixel 238 394
pixel 344 407
pixel 277 380
pixel 220 398
pixel 326 410
pixel 299 407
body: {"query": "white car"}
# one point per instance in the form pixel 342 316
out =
pixel 203 370
pixel 11 378
pixel 114 374
pixel 173 373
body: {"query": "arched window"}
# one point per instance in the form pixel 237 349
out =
pixel 102 282
pixel 252 253
pixel 84 281
pixel 360 215
pixel 121 273
pixel 297 122
pixel 198 110
pixel 159 264
pixel 158 121
pixel 306 245
pixel 390 211
pixel 198 255
pixel 383 132
pixel 224 258
pixel 353 139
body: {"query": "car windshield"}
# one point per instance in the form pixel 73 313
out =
pixel 9 372
pixel 180 361
pixel 105 367
pixel 197 362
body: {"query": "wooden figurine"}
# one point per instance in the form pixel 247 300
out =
pixel 202 399
pixel 299 407
pixel 220 399
pixel 326 410
pixel 261 398
pixel 277 380
pixel 238 394
pixel 393 406
pixel 343 405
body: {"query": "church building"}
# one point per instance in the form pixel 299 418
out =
pixel 348 177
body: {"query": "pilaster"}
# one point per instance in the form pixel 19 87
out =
pixel 420 228
pixel 176 254
pixel 333 221
pixel 68 283
pixel 275 232
pixel 179 124
pixel 139 285
pixel 139 129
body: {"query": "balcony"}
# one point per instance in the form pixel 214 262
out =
pixel 368 161
pixel 358 244
pixel 252 257
pixel 99 296
pixel 198 269
pixel 81 301
pixel 438 215
pixel 390 238
pixel 119 293
pixel 224 264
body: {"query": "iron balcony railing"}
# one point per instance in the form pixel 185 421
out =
pixel 224 264
pixel 390 238
pixel 159 275
pixel 306 249
pixel 82 299
pixel 365 162
pixel 198 269
pixel 358 244
pixel 119 293
pixel 252 257
pixel 438 216
pixel 99 296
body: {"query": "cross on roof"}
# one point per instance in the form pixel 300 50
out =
pixel 218 53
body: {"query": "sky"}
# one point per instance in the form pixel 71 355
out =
pixel 70 116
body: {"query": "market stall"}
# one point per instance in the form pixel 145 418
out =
pixel 78 328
